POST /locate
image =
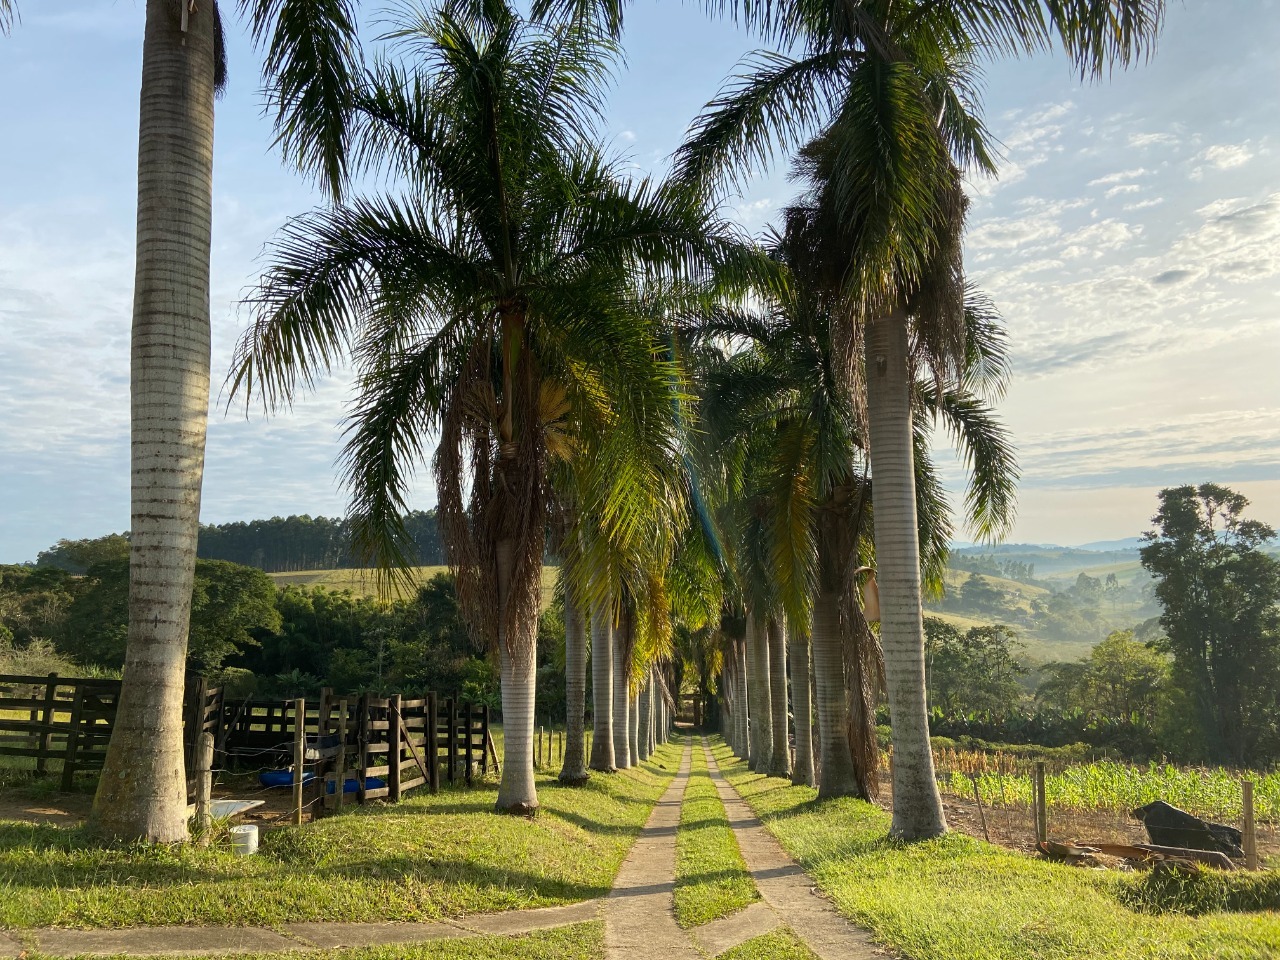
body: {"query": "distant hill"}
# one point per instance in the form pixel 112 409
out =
pixel 1110 546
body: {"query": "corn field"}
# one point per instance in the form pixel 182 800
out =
pixel 1104 785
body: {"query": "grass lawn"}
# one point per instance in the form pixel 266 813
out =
pixel 583 941
pixel 781 944
pixel 957 898
pixel 711 878
pixel 426 858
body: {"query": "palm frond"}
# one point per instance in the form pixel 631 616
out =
pixel 312 62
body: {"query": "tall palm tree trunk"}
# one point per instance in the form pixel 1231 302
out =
pixel 761 712
pixel 780 759
pixel 574 768
pixel 645 725
pixel 142 793
pixel 601 686
pixel 633 728
pixel 517 661
pixel 621 706
pixel 744 696
pixel 839 779
pixel 655 709
pixel 917 806
pixel 802 709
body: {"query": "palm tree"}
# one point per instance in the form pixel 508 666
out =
pixel 142 790
pixel 891 86
pixel 811 487
pixel 497 303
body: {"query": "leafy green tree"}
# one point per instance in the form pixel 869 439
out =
pixel 1125 677
pixel 1220 591
pixel 231 608
pixel 34 602
pixel 77 556
pixel 975 670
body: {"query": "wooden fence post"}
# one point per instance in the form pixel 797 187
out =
pixel 537 760
pixel 394 726
pixel 204 788
pixel 433 744
pixel 488 740
pixel 1250 828
pixel 453 737
pixel 362 742
pixel 299 755
pixel 1042 805
pixel 46 720
pixel 469 711
pixel 340 788
pixel 73 740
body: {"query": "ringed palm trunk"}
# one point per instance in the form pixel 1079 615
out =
pixel 780 759
pixel 645 725
pixel 574 770
pixel 621 706
pixel 761 712
pixel 744 696
pixel 654 710
pixel 802 708
pixel 633 728
pixel 601 687
pixel 839 778
pixel 917 807
pixel 517 658
pixel 142 793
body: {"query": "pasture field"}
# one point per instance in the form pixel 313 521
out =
pixel 364 582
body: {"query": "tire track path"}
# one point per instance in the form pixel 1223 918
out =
pixel 639 916
pixel 786 888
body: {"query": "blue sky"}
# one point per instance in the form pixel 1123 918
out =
pixel 1132 243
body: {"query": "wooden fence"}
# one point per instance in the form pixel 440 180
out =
pixel 390 745
pixel 70 720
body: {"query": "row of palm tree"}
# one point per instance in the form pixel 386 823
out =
pixel 883 97
pixel 513 291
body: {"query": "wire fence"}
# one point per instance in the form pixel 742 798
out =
pixel 993 795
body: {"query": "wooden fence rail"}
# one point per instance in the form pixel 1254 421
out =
pixel 390 745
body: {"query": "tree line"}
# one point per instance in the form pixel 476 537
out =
pixel 277 545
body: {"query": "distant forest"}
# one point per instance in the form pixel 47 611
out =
pixel 278 545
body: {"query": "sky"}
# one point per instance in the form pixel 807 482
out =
pixel 1132 243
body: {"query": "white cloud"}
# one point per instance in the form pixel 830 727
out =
pixel 1226 156
pixel 1142 140
pixel 1123 189
pixel 1120 176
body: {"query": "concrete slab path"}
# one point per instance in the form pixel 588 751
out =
pixel 786 888
pixel 639 919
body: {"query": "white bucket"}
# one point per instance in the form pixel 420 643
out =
pixel 244 839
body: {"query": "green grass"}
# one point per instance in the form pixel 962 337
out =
pixel 426 858
pixel 957 898
pixel 781 944
pixel 364 582
pixel 711 877
pixel 582 941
